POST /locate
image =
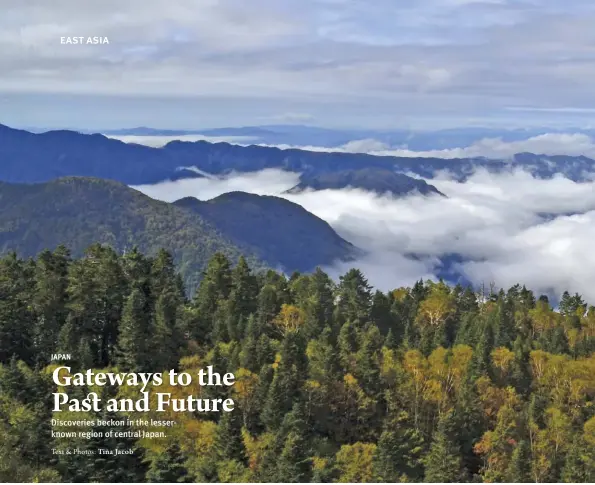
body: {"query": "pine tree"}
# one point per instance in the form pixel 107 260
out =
pixel 520 466
pixel 347 343
pixel 443 461
pixel 249 352
pixel 320 303
pixel 214 287
pixel 578 468
pixel 268 306
pixel 244 291
pixel 354 298
pixel 470 423
pixel 368 361
pixel 163 273
pixel 16 318
pixel 229 442
pixel 380 312
pixel 521 367
pixel 294 464
pixel 481 364
pixel 11 380
pixel 391 341
pixel 399 452
pixel 169 467
pixel 281 394
pixel 505 327
pixel 167 337
pixel 132 352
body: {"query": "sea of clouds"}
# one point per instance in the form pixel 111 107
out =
pixel 508 228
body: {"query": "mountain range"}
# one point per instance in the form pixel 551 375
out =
pixel 300 135
pixel 30 157
pixel 65 187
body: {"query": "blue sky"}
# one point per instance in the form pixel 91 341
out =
pixel 420 64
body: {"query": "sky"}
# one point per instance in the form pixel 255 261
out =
pixel 495 221
pixel 190 64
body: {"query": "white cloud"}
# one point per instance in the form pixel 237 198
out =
pixel 494 221
pixel 547 144
pixel 266 182
pixel 574 144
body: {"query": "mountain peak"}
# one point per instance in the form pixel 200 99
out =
pixel 380 181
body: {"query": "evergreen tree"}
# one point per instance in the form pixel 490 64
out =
pixel 132 353
pixel 577 468
pixel 347 343
pixel 16 318
pixel 281 394
pixel 167 334
pixel 243 293
pixel 214 287
pixel 399 452
pixel 169 467
pixel 391 341
pixel 268 306
pixel 505 328
pixel 354 298
pixel 470 424
pixel 520 466
pixel 521 367
pixel 294 464
pixel 443 461
pixel 163 273
pixel 380 312
pixel 368 361
pixel 482 355
pixel 229 438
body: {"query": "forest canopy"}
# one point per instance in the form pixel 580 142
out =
pixel 335 382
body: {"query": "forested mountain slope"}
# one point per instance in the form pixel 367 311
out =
pixel 274 229
pixel 77 212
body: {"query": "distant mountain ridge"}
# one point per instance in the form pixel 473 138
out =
pixel 28 157
pixel 417 140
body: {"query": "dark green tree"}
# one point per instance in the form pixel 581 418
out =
pixel 133 353
pixel 520 465
pixel 443 462
pixel 169 467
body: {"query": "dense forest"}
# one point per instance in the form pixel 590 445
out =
pixel 335 382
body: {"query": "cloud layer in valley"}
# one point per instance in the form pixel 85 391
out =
pixel 575 144
pixel 510 228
